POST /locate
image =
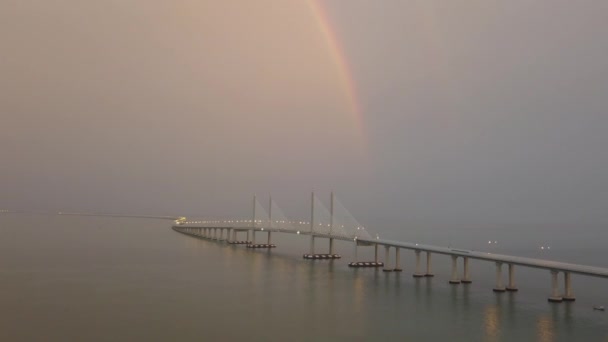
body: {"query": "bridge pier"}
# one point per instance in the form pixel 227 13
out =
pixel 568 296
pixel 454 279
pixel 397 268
pixel 331 245
pixel 429 272
pixel 376 253
pixel 555 297
pixel 418 272
pixel 356 250
pixel 312 244
pixel 387 260
pixel 499 287
pixel 511 287
pixel 466 279
pixel 269 238
pixel 253 236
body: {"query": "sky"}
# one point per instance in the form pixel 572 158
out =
pixel 462 112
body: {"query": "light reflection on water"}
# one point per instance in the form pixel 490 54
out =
pixel 116 279
pixel 492 322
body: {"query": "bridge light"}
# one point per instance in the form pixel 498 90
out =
pixel 298 232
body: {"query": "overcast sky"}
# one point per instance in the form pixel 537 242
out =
pixel 473 111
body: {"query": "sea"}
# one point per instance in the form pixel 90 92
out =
pixel 85 278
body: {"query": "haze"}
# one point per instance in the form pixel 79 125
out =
pixel 473 112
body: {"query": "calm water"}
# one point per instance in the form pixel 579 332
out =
pixel 107 279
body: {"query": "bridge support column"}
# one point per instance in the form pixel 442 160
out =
pixel 511 287
pixel 247 235
pixel 429 272
pixel 555 297
pixel 228 234
pixel 454 279
pixel 387 259
pixel 312 244
pixel 253 236
pixel 331 245
pixel 397 268
pixel 356 250
pixel 418 272
pixel 467 273
pixel 269 238
pixel 568 296
pixel 499 287
pixel 221 234
pixel 376 252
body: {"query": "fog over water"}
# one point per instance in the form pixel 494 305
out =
pixel 474 113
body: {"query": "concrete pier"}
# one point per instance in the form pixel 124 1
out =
pixel 418 272
pixel 568 295
pixel 454 279
pixel 466 279
pixel 555 296
pixel 397 267
pixel 387 267
pixel 376 252
pixel 499 287
pixel 511 287
pixel 429 271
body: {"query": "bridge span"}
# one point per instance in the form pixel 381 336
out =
pixel 334 228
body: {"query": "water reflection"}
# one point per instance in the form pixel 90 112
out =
pixel 545 329
pixel 491 315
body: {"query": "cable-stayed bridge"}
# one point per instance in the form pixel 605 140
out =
pixel 338 223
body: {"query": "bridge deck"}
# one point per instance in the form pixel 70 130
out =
pixel 508 259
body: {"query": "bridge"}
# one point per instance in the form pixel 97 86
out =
pixel 338 224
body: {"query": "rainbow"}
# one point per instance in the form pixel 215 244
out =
pixel 337 53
